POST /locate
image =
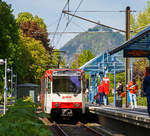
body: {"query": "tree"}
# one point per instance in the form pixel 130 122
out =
pixel 9 38
pixel 141 20
pixel 26 16
pixel 84 57
pixel 31 29
pixel 57 60
pixel 34 48
pixel 34 59
pixel 34 27
pixel 8 32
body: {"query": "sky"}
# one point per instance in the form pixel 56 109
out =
pixel 50 11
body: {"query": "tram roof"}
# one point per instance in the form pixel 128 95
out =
pixel 139 42
pixel 50 71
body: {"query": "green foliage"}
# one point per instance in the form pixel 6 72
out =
pixel 35 52
pixel 141 101
pixel 34 59
pixel 141 20
pixel 139 68
pixel 8 31
pixel 21 120
pixel 84 57
pixel 99 28
pixel 57 60
pixel 8 34
pixel 119 77
pixel 26 16
pixel 9 38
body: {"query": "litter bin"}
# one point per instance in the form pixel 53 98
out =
pixel 119 102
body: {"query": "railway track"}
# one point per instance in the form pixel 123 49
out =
pixel 75 130
pixel 78 129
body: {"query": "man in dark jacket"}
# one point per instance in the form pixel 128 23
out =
pixel 146 87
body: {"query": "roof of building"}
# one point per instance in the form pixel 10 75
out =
pixel 27 85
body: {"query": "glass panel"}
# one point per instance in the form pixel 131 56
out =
pixel 67 84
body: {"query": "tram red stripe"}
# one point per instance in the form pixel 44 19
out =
pixel 71 105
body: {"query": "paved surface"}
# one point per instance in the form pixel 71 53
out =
pixel 138 116
pixel 140 110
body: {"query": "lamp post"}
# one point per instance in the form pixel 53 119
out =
pixel 5 86
pixel 11 81
pixel 15 88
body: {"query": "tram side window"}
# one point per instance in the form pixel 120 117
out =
pixel 43 86
pixel 46 84
pixel 49 85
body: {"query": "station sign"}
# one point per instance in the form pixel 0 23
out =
pixel 136 53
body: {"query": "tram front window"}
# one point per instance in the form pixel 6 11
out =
pixel 67 84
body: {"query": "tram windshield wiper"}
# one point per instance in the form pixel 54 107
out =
pixel 57 93
pixel 77 92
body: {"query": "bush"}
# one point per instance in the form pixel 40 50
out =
pixel 21 120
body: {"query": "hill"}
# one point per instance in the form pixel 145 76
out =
pixel 99 40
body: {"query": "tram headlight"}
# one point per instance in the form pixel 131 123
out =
pixel 77 105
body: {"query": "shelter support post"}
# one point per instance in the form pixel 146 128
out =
pixel 93 87
pixel 131 67
pixel 90 89
pixel 127 38
pixel 114 86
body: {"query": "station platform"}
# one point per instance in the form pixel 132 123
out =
pixel 138 116
pixel 127 121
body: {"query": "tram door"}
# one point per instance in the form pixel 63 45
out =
pixel 45 92
pixel 49 95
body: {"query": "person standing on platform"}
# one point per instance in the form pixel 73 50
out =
pixel 146 88
pixel 119 89
pixel 133 88
pixel 105 96
pixel 101 93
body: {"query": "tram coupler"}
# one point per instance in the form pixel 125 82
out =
pixel 67 112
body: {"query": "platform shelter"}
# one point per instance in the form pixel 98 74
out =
pixel 137 46
pixel 98 67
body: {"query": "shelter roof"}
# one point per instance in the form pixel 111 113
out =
pixel 97 64
pixel 140 44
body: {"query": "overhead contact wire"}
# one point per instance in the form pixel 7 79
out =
pixel 69 21
pixel 58 23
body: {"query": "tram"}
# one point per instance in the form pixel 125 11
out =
pixel 62 92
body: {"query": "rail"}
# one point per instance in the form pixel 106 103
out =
pixel 60 131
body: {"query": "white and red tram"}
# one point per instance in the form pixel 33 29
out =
pixel 62 92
